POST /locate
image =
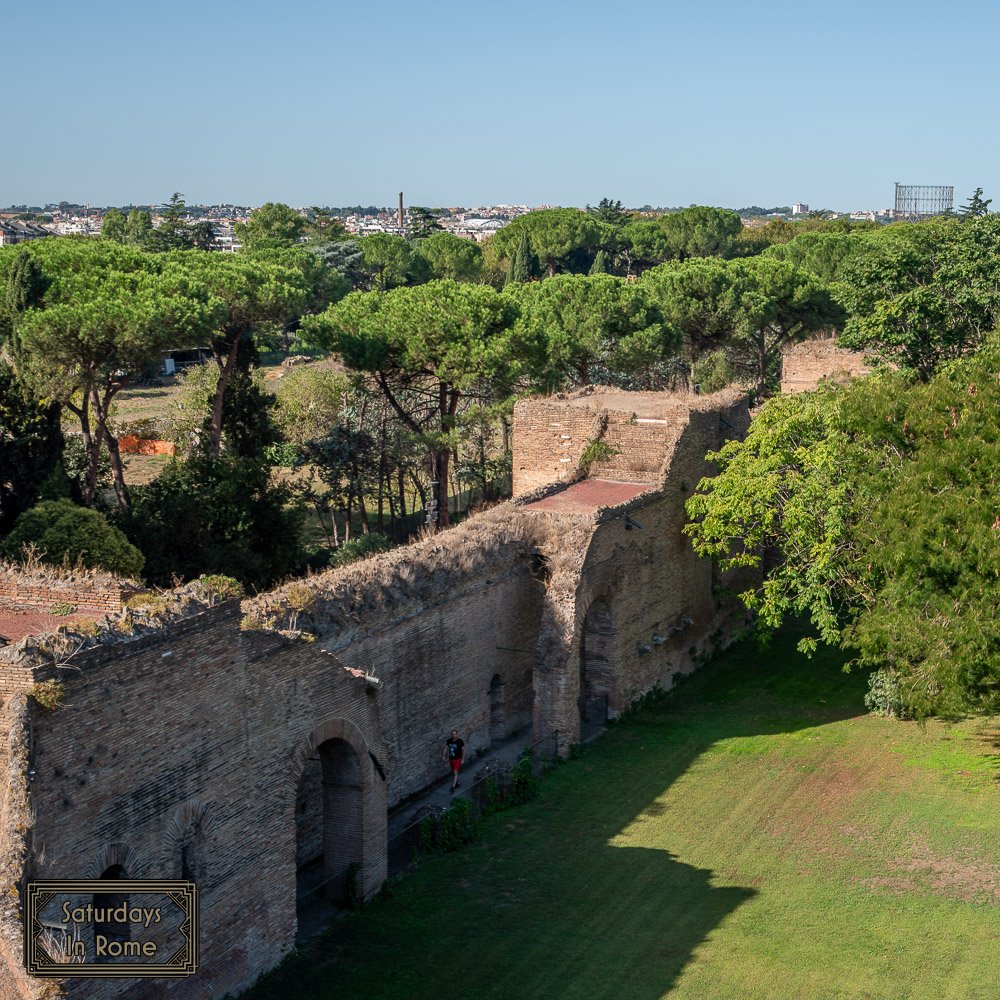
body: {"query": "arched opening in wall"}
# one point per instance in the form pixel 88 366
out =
pixel 596 671
pixel 328 825
pixel 498 712
pixel 192 855
pixel 110 933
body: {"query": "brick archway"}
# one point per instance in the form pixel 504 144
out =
pixel 347 825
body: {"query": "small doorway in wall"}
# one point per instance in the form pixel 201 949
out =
pixel 498 711
pixel 107 930
pixel 596 669
pixel 328 822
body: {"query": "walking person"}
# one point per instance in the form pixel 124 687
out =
pixel 454 752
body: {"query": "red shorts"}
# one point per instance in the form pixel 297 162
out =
pixel 456 764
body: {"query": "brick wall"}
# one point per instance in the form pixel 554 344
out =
pixel 804 364
pixel 664 608
pixel 45 589
pixel 549 438
pixel 197 720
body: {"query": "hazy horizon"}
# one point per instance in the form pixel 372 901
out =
pixel 660 103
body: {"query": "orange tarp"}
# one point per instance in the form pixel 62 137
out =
pixel 145 446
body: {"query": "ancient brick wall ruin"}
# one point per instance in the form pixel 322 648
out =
pixel 805 364
pixel 253 738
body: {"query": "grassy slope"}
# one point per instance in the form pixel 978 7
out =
pixel 754 836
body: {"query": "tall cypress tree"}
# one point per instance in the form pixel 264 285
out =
pixel 600 265
pixel 524 264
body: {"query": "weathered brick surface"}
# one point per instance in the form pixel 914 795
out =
pixel 201 720
pixel 803 365
pixel 198 734
pixel 44 590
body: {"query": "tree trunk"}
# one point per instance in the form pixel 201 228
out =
pixel 103 408
pixel 219 399
pixel 82 413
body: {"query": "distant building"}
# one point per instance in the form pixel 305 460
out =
pixel 800 208
pixel 17 231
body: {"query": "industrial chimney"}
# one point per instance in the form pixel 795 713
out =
pixel 400 209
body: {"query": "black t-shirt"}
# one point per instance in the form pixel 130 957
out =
pixel 456 748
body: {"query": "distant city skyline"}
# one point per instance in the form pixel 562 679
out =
pixel 664 104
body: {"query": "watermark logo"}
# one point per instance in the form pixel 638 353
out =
pixel 111 928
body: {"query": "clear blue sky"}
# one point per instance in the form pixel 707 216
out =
pixel 473 102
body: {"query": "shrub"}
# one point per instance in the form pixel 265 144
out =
pixel 523 783
pixel 49 694
pixel 456 826
pixel 596 451
pixel 884 695
pixel 215 516
pixel 62 533
pixel 359 547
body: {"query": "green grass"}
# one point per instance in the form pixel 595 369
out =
pixel 754 836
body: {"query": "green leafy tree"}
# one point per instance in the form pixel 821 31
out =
pixel 209 515
pixel 426 346
pixel 309 402
pixel 31 446
pixel 600 265
pixel 113 226
pixel 701 231
pixel 585 321
pixel 976 205
pixel 825 254
pixel 422 222
pixel 345 257
pixel 324 228
pixel 245 291
pixel 921 295
pixel 869 510
pixel 388 260
pixel 450 256
pixel 751 308
pixel 174 232
pixel 609 212
pixel 698 297
pixel 645 244
pixel 109 311
pixel 138 228
pixel 557 235
pixel 776 304
pixel 61 533
pixel 272 225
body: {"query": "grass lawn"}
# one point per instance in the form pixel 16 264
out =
pixel 755 835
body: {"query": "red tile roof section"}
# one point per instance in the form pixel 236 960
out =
pixel 589 494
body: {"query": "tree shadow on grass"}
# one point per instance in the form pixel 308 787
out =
pixel 546 905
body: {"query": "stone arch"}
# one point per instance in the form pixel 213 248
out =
pixel 185 842
pixel 597 666
pixel 498 709
pixel 336 764
pixel 116 854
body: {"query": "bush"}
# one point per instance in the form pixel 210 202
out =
pixel 523 783
pixel 62 533
pixel 216 516
pixel 48 694
pixel 884 695
pixel 456 826
pixel 359 547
